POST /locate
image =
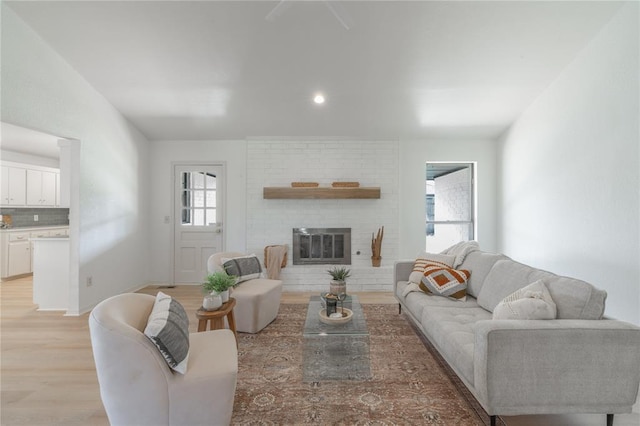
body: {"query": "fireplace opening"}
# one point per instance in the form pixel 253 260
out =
pixel 321 246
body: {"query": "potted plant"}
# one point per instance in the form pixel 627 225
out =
pixel 338 284
pixel 216 289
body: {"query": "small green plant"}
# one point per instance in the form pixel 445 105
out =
pixel 218 282
pixel 339 274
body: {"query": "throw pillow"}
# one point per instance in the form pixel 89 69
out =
pixel 461 250
pixel 529 303
pixel 425 259
pixel 168 329
pixel 244 268
pixel 445 281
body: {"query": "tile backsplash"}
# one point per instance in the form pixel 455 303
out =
pixel 24 217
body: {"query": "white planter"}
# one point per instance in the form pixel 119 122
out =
pixel 212 301
pixel 337 287
pixel 225 296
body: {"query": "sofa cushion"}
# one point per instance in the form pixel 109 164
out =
pixel 574 299
pixel 168 329
pixel 423 259
pixel 244 268
pixel 450 329
pixel 529 303
pixel 443 281
pixel 415 302
pixel 479 263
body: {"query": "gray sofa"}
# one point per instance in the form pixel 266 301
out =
pixel 577 363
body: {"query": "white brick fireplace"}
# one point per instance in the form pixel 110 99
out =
pixel 273 163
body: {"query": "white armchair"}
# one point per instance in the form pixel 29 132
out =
pixel 257 300
pixel 136 384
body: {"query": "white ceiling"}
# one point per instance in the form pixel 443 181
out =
pixel 215 70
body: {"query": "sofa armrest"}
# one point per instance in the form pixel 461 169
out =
pixel 402 269
pixel 556 366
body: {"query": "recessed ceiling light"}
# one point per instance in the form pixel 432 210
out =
pixel 319 98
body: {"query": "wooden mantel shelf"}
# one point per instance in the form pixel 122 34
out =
pixel 320 193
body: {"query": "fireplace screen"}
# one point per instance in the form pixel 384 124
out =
pixel 322 246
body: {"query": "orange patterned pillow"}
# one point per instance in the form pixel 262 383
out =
pixel 446 282
pixel 425 259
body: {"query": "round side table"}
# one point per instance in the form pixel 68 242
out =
pixel 216 318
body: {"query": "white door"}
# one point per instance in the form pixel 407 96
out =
pixel 198 219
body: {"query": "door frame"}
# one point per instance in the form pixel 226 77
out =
pixel 174 164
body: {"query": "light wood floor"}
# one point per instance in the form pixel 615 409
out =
pixel 47 373
pixel 48 376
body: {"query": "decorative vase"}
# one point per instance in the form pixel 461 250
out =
pixel 225 296
pixel 375 261
pixel 212 301
pixel 337 287
pixel 332 305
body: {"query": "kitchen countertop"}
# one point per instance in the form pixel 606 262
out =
pixel 32 228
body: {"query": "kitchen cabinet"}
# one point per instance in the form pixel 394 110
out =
pixel 41 188
pixel 58 190
pixel 13 188
pixel 62 232
pixel 16 248
pixel 18 254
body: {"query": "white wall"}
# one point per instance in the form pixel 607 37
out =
pixel 41 91
pixel 372 163
pixel 570 171
pixel 36 160
pixel 163 154
pixel 397 167
pixel 414 154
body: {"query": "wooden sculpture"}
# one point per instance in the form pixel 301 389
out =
pixel 376 247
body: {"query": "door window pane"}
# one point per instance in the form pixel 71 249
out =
pixel 198 199
pixel 211 217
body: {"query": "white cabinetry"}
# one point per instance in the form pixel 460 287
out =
pixel 13 186
pixel 41 188
pixel 26 185
pixel 18 249
pixel 58 190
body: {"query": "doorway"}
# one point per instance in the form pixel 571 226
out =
pixel 198 219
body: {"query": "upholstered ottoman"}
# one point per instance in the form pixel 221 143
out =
pixel 257 300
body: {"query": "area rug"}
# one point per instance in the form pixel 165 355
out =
pixel 408 384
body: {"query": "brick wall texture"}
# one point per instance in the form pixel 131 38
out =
pixel 372 163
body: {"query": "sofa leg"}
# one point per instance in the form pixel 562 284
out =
pixel 493 420
pixel 609 419
pixel 399 309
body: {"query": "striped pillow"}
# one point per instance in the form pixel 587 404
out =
pixel 444 281
pixel 244 268
pixel 425 259
pixel 168 329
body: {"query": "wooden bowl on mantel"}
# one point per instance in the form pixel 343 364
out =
pixel 345 184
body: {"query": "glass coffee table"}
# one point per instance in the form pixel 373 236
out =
pixel 335 351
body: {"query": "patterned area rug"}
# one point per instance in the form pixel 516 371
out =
pixel 408 385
